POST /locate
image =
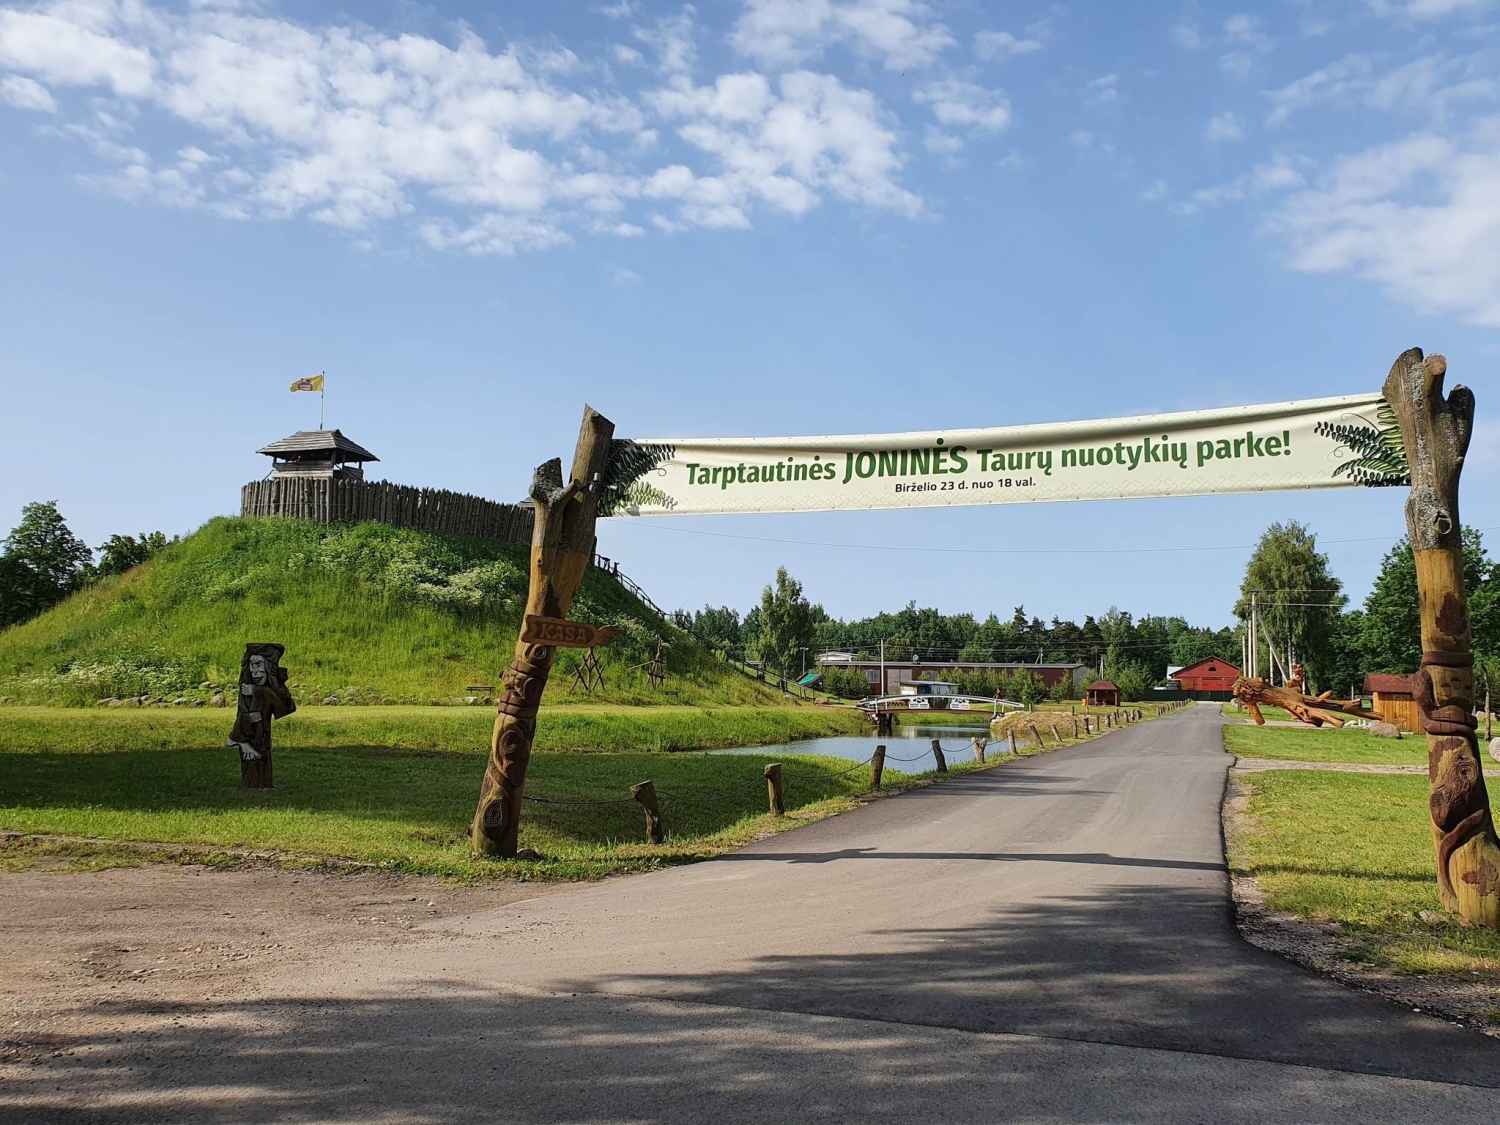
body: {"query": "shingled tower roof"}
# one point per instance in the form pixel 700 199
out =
pixel 317 445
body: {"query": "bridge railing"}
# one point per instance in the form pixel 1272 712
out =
pixel 781 683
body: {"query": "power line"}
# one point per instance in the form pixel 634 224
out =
pixel 999 550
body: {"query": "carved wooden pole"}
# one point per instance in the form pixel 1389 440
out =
pixel 1435 431
pixel 645 793
pixel 562 546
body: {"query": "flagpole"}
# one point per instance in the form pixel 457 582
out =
pixel 320 398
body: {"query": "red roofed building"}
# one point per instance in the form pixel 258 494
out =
pixel 1212 674
pixel 1101 693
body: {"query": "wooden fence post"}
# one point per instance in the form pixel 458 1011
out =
pixel 1013 748
pixel 937 753
pixel 1435 433
pixel 773 789
pixel 877 767
pixel 979 745
pixel 562 546
pixel 1037 737
pixel 645 793
pixel 1075 728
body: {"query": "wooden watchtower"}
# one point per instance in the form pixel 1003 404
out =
pixel 317 455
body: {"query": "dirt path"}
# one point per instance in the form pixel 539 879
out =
pixel 1258 765
pixel 160 936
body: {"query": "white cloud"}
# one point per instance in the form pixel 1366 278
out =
pixel 1246 29
pixel 1004 45
pixel 784 146
pixel 956 102
pixel 478 151
pixel 1104 90
pixel 1333 82
pixel 1224 127
pixel 23 93
pixel 1188 36
pixel 1426 9
pixel 1419 217
pixel 674 39
pixel 619 275
pixel 76 45
pixel 1155 191
pixel 942 144
pixel 1237 64
pixel 1432 86
pixel 902 34
pixel 1281 174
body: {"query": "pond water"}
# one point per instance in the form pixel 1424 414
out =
pixel 909 750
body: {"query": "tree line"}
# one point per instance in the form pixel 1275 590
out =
pixel 1300 606
pixel 42 561
pixel 786 632
pixel 1305 615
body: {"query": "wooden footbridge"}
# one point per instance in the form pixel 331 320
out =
pixel 883 708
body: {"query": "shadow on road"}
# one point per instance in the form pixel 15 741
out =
pixel 448 1052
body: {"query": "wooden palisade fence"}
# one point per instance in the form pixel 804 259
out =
pixel 351 501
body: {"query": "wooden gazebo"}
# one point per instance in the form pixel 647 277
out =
pixel 325 454
pixel 1102 693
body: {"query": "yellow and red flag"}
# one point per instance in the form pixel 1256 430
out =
pixel 311 383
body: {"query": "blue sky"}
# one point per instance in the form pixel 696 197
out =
pixel 742 218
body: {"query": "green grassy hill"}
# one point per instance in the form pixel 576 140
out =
pixel 367 613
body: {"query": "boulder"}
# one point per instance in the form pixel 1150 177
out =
pixel 217 700
pixel 1495 749
pixel 1385 730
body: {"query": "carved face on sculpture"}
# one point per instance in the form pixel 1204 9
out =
pixel 1448 684
pixel 258 670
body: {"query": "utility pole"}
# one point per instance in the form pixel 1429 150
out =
pixel 1254 637
pixel 882 665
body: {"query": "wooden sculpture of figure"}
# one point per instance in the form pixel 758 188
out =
pixel 263 696
pixel 1315 710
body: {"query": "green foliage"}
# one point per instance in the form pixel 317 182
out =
pixel 1133 679
pixel 719 626
pixel 1390 631
pixel 1301 744
pixel 1019 686
pixel 41 563
pixel 846 683
pixel 1299 597
pixel 366 611
pixel 1356 849
pixel 121 552
pixel 786 624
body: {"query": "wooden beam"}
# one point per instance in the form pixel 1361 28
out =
pixel 1435 431
pixel 562 545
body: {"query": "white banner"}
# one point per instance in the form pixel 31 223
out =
pixel 1317 443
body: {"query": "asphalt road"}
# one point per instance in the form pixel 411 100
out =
pixel 1047 942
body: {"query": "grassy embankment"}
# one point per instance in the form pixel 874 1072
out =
pixel 1354 849
pixel 368 614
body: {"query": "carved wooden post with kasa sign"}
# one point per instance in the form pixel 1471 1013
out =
pixel 562 546
pixel 1435 432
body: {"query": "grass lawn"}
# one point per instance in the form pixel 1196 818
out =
pixel 1354 849
pixel 396 786
pixel 1327 745
pixel 457 729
